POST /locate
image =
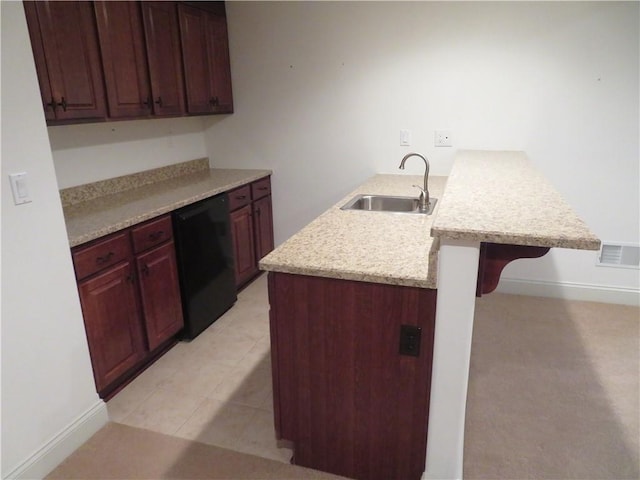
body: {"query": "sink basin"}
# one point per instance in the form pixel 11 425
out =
pixel 386 203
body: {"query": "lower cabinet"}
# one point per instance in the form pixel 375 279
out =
pixel 130 297
pixel 252 227
pixel 351 365
pixel 113 323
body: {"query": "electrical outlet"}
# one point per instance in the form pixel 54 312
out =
pixel 442 138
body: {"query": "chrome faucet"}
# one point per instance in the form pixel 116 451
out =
pixel 424 200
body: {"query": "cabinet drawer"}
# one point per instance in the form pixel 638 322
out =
pixel 239 197
pixel 97 256
pixel 152 233
pixel 261 188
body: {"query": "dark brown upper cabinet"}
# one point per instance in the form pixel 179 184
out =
pixel 124 58
pixel 164 57
pixel 65 46
pixel 132 57
pixel 205 50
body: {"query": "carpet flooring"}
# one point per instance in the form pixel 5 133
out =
pixel 123 452
pixel 553 394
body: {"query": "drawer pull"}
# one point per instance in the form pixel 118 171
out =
pixel 105 258
pixel 263 188
pixel 240 197
pixel 156 235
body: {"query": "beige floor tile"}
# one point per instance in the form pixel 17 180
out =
pixel 127 400
pixel 244 387
pixel 217 422
pixel 199 380
pixel 154 377
pixel 165 411
pixel 216 388
pixel 259 438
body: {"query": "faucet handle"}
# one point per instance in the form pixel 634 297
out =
pixel 422 190
pixel 423 199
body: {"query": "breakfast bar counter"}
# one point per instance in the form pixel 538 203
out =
pixel 372 314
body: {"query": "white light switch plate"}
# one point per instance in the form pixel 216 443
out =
pixel 405 137
pixel 19 188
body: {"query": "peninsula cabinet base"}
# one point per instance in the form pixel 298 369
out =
pixel 350 402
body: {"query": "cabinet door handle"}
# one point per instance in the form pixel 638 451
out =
pixel 159 101
pixel 213 101
pixel 263 188
pixel 258 211
pixel 131 278
pixel 63 104
pixel 145 269
pixel 148 102
pixel 156 235
pixel 52 104
pixel 105 258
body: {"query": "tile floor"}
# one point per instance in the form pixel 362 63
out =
pixel 215 389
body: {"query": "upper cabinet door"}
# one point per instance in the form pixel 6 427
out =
pixel 219 63
pixel 64 40
pixel 164 57
pixel 124 59
pixel 206 60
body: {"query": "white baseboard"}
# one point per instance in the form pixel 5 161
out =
pixel 570 291
pixel 65 442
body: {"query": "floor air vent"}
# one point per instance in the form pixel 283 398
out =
pixel 619 255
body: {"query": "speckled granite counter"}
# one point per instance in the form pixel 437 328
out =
pixel 107 213
pixel 499 197
pixel 378 247
pixel 495 197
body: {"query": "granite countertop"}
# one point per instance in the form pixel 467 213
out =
pixel 499 197
pixel 379 247
pixel 109 212
pixel 495 197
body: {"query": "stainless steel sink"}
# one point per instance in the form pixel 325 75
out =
pixel 386 203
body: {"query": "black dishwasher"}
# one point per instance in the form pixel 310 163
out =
pixel 205 262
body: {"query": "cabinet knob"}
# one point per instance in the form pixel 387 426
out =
pixel 105 258
pixel 148 102
pixel 159 101
pixel 156 235
pixel 52 104
pixel 63 104
pixel 214 101
pixel 145 269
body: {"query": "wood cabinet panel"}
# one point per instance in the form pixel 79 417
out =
pixel 130 303
pixel 206 60
pixel 243 244
pixel 263 226
pixel 239 197
pixel 343 394
pixel 101 254
pixel 124 58
pixel 164 57
pixel 112 320
pixel 160 294
pixel 152 233
pixel 67 58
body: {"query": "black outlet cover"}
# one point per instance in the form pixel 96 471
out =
pixel 410 340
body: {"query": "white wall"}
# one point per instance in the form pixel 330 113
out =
pixel 96 151
pixel 47 383
pixel 321 90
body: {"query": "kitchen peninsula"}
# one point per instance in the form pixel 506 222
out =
pixel 362 303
